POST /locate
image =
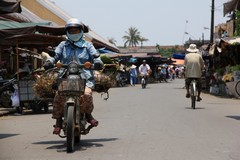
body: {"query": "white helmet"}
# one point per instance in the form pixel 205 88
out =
pixel 73 22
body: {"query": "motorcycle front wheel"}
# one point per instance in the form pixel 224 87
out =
pixel 70 129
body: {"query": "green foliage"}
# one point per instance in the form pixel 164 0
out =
pixel 112 41
pixel 233 68
pixel 220 71
pixel 237 24
pixel 133 37
pixel 167 52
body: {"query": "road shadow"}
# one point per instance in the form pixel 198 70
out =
pixel 96 142
pixel 7 135
pixel 28 112
pixel 84 144
pixel 234 117
pixel 195 108
pixel 59 146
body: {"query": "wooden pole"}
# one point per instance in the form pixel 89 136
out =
pixel 212 22
pixel 17 60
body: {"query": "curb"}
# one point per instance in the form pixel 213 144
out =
pixel 6 111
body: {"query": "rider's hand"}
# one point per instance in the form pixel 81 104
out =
pixel 47 65
pixel 98 66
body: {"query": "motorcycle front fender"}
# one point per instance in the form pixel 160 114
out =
pixel 70 101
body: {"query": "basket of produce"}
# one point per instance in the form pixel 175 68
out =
pixel 102 81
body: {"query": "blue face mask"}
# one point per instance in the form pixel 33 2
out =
pixel 75 37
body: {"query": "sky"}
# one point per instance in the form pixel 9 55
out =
pixel 162 22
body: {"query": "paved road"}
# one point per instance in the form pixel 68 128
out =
pixel 135 124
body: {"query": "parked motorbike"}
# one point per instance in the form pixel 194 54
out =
pixel 1 73
pixel 6 91
pixel 121 78
pixel 72 86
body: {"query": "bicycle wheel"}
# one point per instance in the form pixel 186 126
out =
pixel 143 83
pixel 193 98
pixel 237 88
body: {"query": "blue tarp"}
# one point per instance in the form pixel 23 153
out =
pixel 104 50
pixel 133 60
pixel 178 56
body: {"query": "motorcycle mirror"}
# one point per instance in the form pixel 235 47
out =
pixel 87 65
pixel 59 65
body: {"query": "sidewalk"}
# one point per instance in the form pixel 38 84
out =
pixel 6 111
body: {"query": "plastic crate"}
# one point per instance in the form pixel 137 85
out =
pixel 26 92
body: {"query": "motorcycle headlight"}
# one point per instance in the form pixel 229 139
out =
pixel 73 68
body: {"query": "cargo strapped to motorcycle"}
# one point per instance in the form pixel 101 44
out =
pixel 71 87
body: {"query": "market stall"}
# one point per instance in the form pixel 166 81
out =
pixel 225 66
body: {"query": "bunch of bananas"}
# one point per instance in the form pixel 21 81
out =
pixel 228 77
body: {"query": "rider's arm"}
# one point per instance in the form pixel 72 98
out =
pixel 149 71
pixel 148 67
pixel 92 51
pixel 140 68
pixel 202 63
pixel 58 53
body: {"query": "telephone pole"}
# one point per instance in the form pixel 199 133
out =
pixel 212 22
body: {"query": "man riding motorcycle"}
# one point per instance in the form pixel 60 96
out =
pixel 75 47
pixel 144 69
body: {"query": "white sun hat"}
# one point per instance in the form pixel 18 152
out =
pixel 192 48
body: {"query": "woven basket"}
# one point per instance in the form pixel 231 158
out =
pixel 44 84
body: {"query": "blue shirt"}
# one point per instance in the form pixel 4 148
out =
pixel 133 72
pixel 82 52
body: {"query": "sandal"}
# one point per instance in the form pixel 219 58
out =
pixel 57 130
pixel 57 127
pixel 187 95
pixel 93 122
pixel 199 99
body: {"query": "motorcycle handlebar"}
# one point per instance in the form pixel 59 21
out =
pixel 86 65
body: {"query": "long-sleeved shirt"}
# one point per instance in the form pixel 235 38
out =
pixel 194 65
pixel 79 51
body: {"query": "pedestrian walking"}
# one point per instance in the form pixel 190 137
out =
pixel 133 75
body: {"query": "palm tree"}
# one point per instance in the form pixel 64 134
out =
pixel 112 41
pixel 143 39
pixel 132 38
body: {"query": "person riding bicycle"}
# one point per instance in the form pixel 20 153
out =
pixel 75 47
pixel 194 65
pixel 144 69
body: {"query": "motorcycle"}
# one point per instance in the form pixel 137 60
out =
pixel 6 91
pixel 72 86
pixel 121 78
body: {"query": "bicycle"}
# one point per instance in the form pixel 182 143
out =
pixel 193 93
pixel 143 81
pixel 237 88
